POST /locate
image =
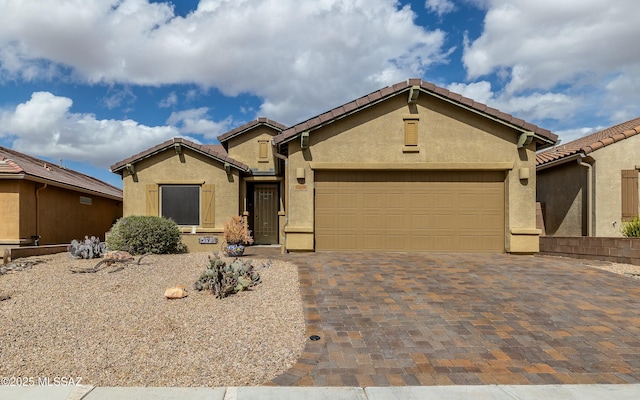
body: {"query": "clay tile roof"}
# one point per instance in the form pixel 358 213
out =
pixel 248 126
pixel 590 143
pixel 24 166
pixel 400 87
pixel 216 152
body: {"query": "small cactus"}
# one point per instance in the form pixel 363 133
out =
pixel 87 248
pixel 224 278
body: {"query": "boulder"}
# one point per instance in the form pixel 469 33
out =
pixel 176 292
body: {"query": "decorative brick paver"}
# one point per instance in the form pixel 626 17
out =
pixel 394 319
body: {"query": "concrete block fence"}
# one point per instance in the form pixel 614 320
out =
pixel 620 250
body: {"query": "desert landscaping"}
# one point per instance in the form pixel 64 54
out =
pixel 118 329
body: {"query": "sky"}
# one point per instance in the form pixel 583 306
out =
pixel 88 83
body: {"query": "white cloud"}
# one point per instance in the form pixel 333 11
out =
pixel 548 41
pixel 300 57
pixel 45 126
pixel 116 97
pixel 196 121
pixel 569 46
pixel 440 7
pixel 477 91
pixel 169 101
pixel 530 107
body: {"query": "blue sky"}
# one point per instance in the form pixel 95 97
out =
pixel 92 82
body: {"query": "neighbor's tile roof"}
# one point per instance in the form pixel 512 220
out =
pixel 216 152
pixel 250 125
pixel 22 165
pixel 591 142
pixel 390 91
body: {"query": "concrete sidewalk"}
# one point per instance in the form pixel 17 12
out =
pixel 484 392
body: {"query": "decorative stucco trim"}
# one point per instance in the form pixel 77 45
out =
pixel 525 231
pixel 161 182
pixel 298 229
pixel 429 166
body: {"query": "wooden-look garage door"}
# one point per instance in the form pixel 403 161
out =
pixel 410 211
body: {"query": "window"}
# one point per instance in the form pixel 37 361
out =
pixel 187 204
pixel 181 203
pixel 629 194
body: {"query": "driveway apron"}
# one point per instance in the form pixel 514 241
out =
pixel 393 319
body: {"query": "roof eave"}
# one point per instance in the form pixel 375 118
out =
pixel 344 115
pixel 116 169
pixel 543 142
pixel 27 177
pixel 223 139
pixel 560 161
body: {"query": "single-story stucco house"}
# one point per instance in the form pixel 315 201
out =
pixel 44 203
pixel 589 186
pixel 410 167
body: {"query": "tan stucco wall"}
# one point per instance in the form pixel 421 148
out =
pixel 9 211
pixel 60 217
pixel 608 164
pixel 563 190
pixel 449 137
pixel 167 167
pixel 245 148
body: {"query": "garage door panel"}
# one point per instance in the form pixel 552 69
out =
pixel 345 222
pixel 372 221
pixel 395 241
pixel 373 242
pixel 410 211
pixel 371 199
pixel 348 200
pixel 326 221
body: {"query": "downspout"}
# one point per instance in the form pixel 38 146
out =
pixel 36 238
pixel 287 190
pixel 589 168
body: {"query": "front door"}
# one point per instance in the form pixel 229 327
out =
pixel 265 213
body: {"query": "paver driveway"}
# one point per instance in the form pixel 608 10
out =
pixel 438 319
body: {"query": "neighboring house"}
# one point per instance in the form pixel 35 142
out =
pixel 589 187
pixel 410 167
pixel 45 203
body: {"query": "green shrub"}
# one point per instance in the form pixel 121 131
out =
pixel 145 234
pixel 631 228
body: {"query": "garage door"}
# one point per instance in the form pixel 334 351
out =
pixel 410 211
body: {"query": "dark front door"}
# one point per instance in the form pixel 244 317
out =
pixel 265 213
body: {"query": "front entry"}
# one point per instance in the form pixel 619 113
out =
pixel 265 213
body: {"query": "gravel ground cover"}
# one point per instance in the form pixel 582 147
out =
pixel 629 270
pixel 117 329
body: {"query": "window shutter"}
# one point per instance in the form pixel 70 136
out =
pixel 411 132
pixel 207 212
pixel 152 200
pixel 629 194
